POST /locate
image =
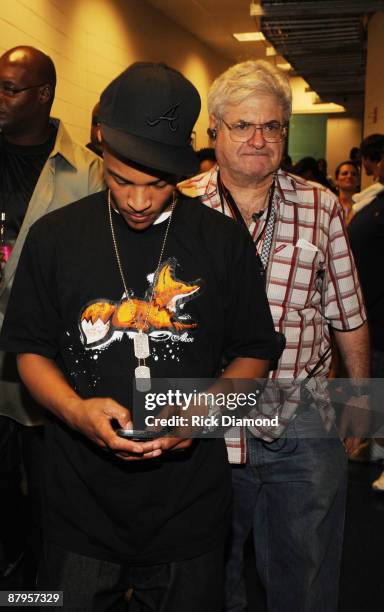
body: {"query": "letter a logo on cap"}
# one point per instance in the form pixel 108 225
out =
pixel 170 116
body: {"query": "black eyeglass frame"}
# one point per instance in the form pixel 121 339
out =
pixel 15 92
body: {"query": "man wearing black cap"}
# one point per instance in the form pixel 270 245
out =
pixel 136 282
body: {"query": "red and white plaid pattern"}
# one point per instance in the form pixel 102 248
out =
pixel 311 277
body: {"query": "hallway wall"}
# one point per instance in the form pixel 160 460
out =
pixel 92 41
pixel 374 82
pixel 343 133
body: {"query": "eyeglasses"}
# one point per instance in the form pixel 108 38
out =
pixel 273 131
pixel 10 91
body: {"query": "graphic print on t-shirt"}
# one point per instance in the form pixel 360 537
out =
pixel 160 314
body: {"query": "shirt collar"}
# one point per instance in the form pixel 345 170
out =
pixel 63 144
pixel 286 187
pixel 212 176
pixel 205 186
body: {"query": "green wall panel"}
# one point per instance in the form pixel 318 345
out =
pixel 307 136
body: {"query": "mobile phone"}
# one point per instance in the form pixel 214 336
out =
pixel 136 435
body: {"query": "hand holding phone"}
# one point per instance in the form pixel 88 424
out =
pixel 137 435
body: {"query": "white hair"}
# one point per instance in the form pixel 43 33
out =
pixel 248 79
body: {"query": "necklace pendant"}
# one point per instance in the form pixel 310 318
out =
pixel 143 378
pixel 141 345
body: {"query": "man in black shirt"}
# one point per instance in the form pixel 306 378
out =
pixel 366 233
pixel 42 169
pixel 136 282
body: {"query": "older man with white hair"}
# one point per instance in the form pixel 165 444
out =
pixel 289 484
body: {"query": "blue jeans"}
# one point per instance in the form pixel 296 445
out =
pixel 294 499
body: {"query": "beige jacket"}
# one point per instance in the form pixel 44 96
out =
pixel 70 173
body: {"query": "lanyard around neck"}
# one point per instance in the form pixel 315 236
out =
pixel 226 196
pixel 267 233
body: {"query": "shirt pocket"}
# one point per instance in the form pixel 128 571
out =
pixel 294 275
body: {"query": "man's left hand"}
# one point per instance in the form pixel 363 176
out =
pixel 355 421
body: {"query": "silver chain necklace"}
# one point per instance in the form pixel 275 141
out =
pixel 141 338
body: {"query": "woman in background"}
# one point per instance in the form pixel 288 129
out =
pixel 347 182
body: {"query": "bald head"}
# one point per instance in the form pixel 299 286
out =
pixel 39 65
pixel 27 90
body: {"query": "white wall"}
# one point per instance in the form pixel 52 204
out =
pixel 374 85
pixel 343 133
pixel 374 82
pixel 91 41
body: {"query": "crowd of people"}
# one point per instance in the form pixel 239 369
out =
pixel 157 263
pixel 366 234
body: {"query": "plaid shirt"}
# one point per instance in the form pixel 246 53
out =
pixel 311 278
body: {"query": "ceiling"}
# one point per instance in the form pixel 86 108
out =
pixel 323 40
pixel 214 22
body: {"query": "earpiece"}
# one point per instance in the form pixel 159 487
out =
pixel 212 133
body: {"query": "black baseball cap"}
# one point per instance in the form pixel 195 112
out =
pixel 147 115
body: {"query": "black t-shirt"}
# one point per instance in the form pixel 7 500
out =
pixel 366 234
pixel 20 170
pixel 178 506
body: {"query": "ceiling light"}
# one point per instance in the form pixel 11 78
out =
pixel 249 36
pixel 286 66
pixel 255 10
